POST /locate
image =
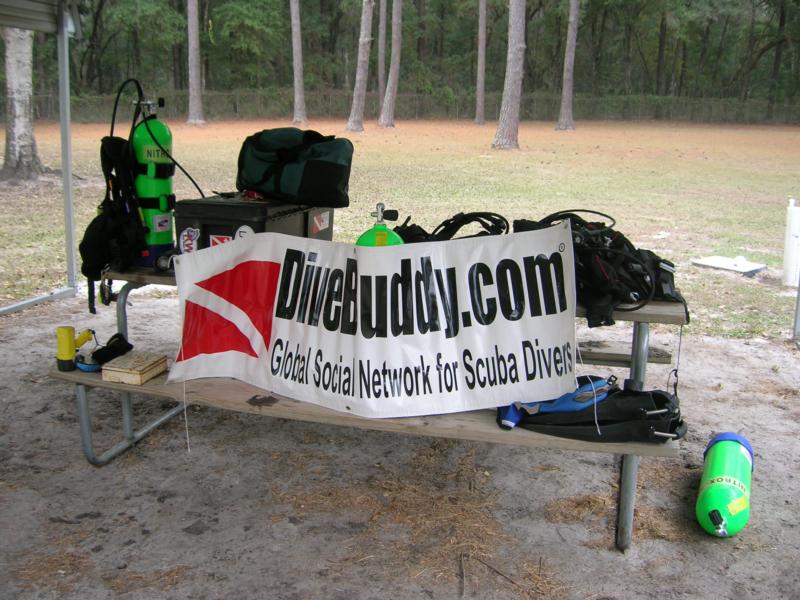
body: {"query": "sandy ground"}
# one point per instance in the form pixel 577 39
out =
pixel 253 507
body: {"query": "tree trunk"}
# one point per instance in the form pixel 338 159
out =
pixel 480 85
pixel 506 136
pixel 700 72
pixel 598 38
pixel 422 32
pixel 21 159
pixel 791 92
pixel 334 19
pixel 177 76
pixel 673 71
pixel 87 67
pixel 565 120
pixel 356 120
pixel 443 21
pixel 627 58
pixel 529 67
pixel 206 72
pixel 776 63
pixel 195 78
pixel 387 111
pixel 297 64
pixel 662 48
pixel 716 73
pixel 381 50
pixel 682 77
pixel 176 68
pixel 648 82
pixel 748 63
pixel 555 72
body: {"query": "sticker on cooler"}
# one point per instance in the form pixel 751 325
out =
pixel 162 222
pixel 216 240
pixel 243 232
pixel 188 239
pixel 320 222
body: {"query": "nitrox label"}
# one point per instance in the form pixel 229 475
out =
pixel 153 153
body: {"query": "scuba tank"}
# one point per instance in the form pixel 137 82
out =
pixel 723 503
pixel 379 234
pixel 151 141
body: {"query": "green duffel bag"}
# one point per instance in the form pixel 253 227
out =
pixel 296 166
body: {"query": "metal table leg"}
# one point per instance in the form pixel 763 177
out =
pixel 627 500
pixel 131 436
pixel 640 346
pixel 127 416
pixel 122 306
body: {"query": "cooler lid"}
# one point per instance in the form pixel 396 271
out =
pixel 234 206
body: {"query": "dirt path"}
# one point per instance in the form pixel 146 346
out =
pixel 264 508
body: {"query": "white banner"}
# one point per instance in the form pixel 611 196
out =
pixel 391 331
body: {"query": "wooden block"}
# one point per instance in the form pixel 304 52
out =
pixel 135 367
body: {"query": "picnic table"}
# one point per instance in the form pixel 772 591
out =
pixel 479 425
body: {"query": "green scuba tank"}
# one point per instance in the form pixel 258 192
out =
pixel 723 502
pixel 152 148
pixel 379 234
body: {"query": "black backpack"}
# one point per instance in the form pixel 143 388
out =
pixel 609 270
pixel 115 238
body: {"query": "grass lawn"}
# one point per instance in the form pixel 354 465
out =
pixel 682 190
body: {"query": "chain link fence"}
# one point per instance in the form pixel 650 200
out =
pixel 443 104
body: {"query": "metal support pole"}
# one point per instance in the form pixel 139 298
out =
pixel 639 350
pixel 66 141
pixel 640 346
pixel 85 420
pixel 127 416
pixel 627 500
pixel 796 337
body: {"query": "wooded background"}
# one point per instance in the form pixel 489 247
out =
pixel 704 60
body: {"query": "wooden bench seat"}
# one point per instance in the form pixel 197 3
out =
pixel 611 354
pixel 479 425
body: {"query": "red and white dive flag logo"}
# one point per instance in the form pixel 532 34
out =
pixel 249 286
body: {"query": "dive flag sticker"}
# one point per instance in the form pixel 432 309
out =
pixel 216 240
pixel 320 222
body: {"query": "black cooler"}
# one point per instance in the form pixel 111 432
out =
pixel 218 219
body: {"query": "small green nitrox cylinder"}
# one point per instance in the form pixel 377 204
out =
pixel 723 502
pixel 379 234
pixel 153 184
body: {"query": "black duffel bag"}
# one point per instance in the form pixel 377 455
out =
pixel 624 416
pixel 296 166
